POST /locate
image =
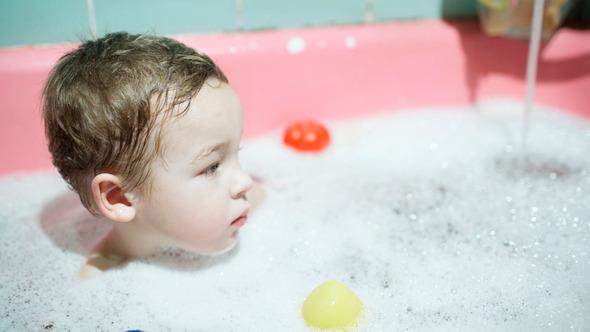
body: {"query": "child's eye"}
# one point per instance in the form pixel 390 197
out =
pixel 211 169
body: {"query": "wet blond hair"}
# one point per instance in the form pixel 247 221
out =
pixel 104 104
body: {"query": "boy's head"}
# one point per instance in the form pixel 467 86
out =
pixel 147 131
pixel 106 102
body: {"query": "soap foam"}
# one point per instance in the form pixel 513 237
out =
pixel 432 217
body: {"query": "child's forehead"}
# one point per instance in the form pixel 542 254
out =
pixel 198 113
pixel 176 101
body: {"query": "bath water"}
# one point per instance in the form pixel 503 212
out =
pixel 428 216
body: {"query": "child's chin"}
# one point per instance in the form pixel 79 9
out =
pixel 229 248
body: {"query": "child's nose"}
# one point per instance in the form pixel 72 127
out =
pixel 242 184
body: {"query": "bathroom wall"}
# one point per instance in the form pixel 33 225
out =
pixel 28 22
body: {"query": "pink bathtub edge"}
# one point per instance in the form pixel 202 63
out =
pixel 330 73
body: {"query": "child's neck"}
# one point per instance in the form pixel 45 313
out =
pixel 124 241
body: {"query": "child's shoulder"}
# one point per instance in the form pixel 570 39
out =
pixel 101 259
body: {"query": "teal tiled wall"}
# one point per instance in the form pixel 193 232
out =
pixel 265 14
pixel 27 22
pixel 386 10
pixel 165 17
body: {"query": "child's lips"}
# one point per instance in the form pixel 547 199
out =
pixel 241 220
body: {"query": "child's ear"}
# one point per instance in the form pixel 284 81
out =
pixel 111 199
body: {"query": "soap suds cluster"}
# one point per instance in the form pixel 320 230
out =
pixel 437 219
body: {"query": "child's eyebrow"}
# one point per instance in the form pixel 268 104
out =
pixel 207 151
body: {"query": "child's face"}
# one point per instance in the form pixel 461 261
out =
pixel 198 197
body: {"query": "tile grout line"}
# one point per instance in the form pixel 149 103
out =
pixel 239 15
pixel 368 17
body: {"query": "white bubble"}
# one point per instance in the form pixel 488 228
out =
pixel 296 45
pixel 350 42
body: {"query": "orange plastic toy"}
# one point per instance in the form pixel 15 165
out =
pixel 307 136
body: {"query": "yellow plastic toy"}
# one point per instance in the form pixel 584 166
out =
pixel 332 305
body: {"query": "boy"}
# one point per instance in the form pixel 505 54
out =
pixel 147 130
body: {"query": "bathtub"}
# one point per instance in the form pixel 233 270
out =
pixel 285 75
pixel 328 74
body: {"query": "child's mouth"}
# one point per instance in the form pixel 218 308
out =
pixel 241 220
